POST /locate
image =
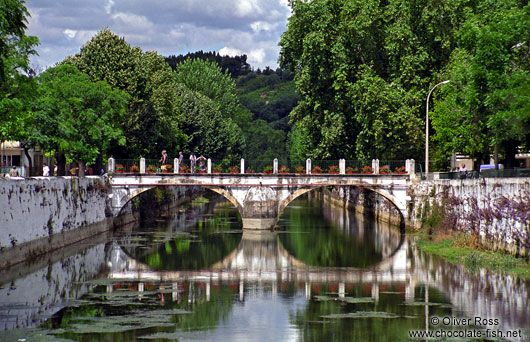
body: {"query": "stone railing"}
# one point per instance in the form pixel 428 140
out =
pixel 341 166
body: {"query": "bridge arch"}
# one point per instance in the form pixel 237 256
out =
pixel 401 207
pixel 122 196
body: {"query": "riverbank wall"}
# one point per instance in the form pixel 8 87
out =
pixel 41 214
pixel 496 211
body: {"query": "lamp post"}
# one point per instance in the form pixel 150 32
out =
pixel 427 130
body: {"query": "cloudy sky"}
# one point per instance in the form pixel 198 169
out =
pixel 170 27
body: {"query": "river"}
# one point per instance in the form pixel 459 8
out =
pixel 325 274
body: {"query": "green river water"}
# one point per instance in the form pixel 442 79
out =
pixel 325 274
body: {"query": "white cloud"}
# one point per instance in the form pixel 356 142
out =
pixel 133 21
pixel 251 27
pixel 246 8
pixel 108 6
pixel 227 51
pixel 258 26
pixel 256 57
pixel 70 33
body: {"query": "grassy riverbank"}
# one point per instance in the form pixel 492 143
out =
pixel 461 249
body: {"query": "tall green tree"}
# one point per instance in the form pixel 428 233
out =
pixel 77 117
pixel 488 104
pixel 16 88
pixel 343 50
pixel 208 79
pixel 149 124
pixel 208 132
pixel 214 120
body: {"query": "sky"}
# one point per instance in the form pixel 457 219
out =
pixel 170 27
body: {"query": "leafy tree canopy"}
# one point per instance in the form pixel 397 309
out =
pixel 15 88
pixel 149 123
pixel 76 116
pixel 488 103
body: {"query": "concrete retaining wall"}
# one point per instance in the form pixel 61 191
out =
pixel 41 214
pixel 34 208
pixel 495 209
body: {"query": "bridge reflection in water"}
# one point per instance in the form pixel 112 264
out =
pixel 253 267
pixel 261 258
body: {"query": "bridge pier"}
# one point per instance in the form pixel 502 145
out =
pixel 259 223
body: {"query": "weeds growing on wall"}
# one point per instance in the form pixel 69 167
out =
pixel 442 211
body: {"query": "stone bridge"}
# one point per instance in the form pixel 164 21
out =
pixel 260 198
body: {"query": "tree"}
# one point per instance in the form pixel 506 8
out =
pixel 488 104
pixel 208 79
pixel 77 117
pixel 337 48
pixel 15 87
pixel 208 132
pixel 15 46
pixel 148 125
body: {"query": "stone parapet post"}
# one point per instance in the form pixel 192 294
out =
pixel 176 165
pixel 111 166
pixel 209 165
pixel 308 166
pixel 142 165
pixel 342 166
pixel 242 170
pixel 409 166
pixel 275 166
pixel 375 166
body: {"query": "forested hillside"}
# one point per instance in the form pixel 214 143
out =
pixel 267 96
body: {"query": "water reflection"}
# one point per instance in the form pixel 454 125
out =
pixel 324 275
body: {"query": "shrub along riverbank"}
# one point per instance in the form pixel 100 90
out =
pixel 460 248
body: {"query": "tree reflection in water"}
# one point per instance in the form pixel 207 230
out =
pixel 324 275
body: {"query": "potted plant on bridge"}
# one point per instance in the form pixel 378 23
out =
pixel 169 168
pixel 267 169
pixel 316 169
pixel 120 168
pixel 284 169
pixel 385 170
pixel 184 169
pixel 367 169
pixel 233 169
pixel 217 169
pixel 134 169
pixel 334 169
pixel 400 170
pixel 299 169
pixel 249 170
pixel 351 170
pixel 151 168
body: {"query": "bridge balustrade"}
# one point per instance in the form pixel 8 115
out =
pixel 264 166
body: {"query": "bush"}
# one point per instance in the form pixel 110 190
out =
pixel 333 169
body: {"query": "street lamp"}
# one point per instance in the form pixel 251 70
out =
pixel 427 130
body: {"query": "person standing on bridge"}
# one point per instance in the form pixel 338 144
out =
pixel 45 170
pixel 163 160
pixel 180 160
